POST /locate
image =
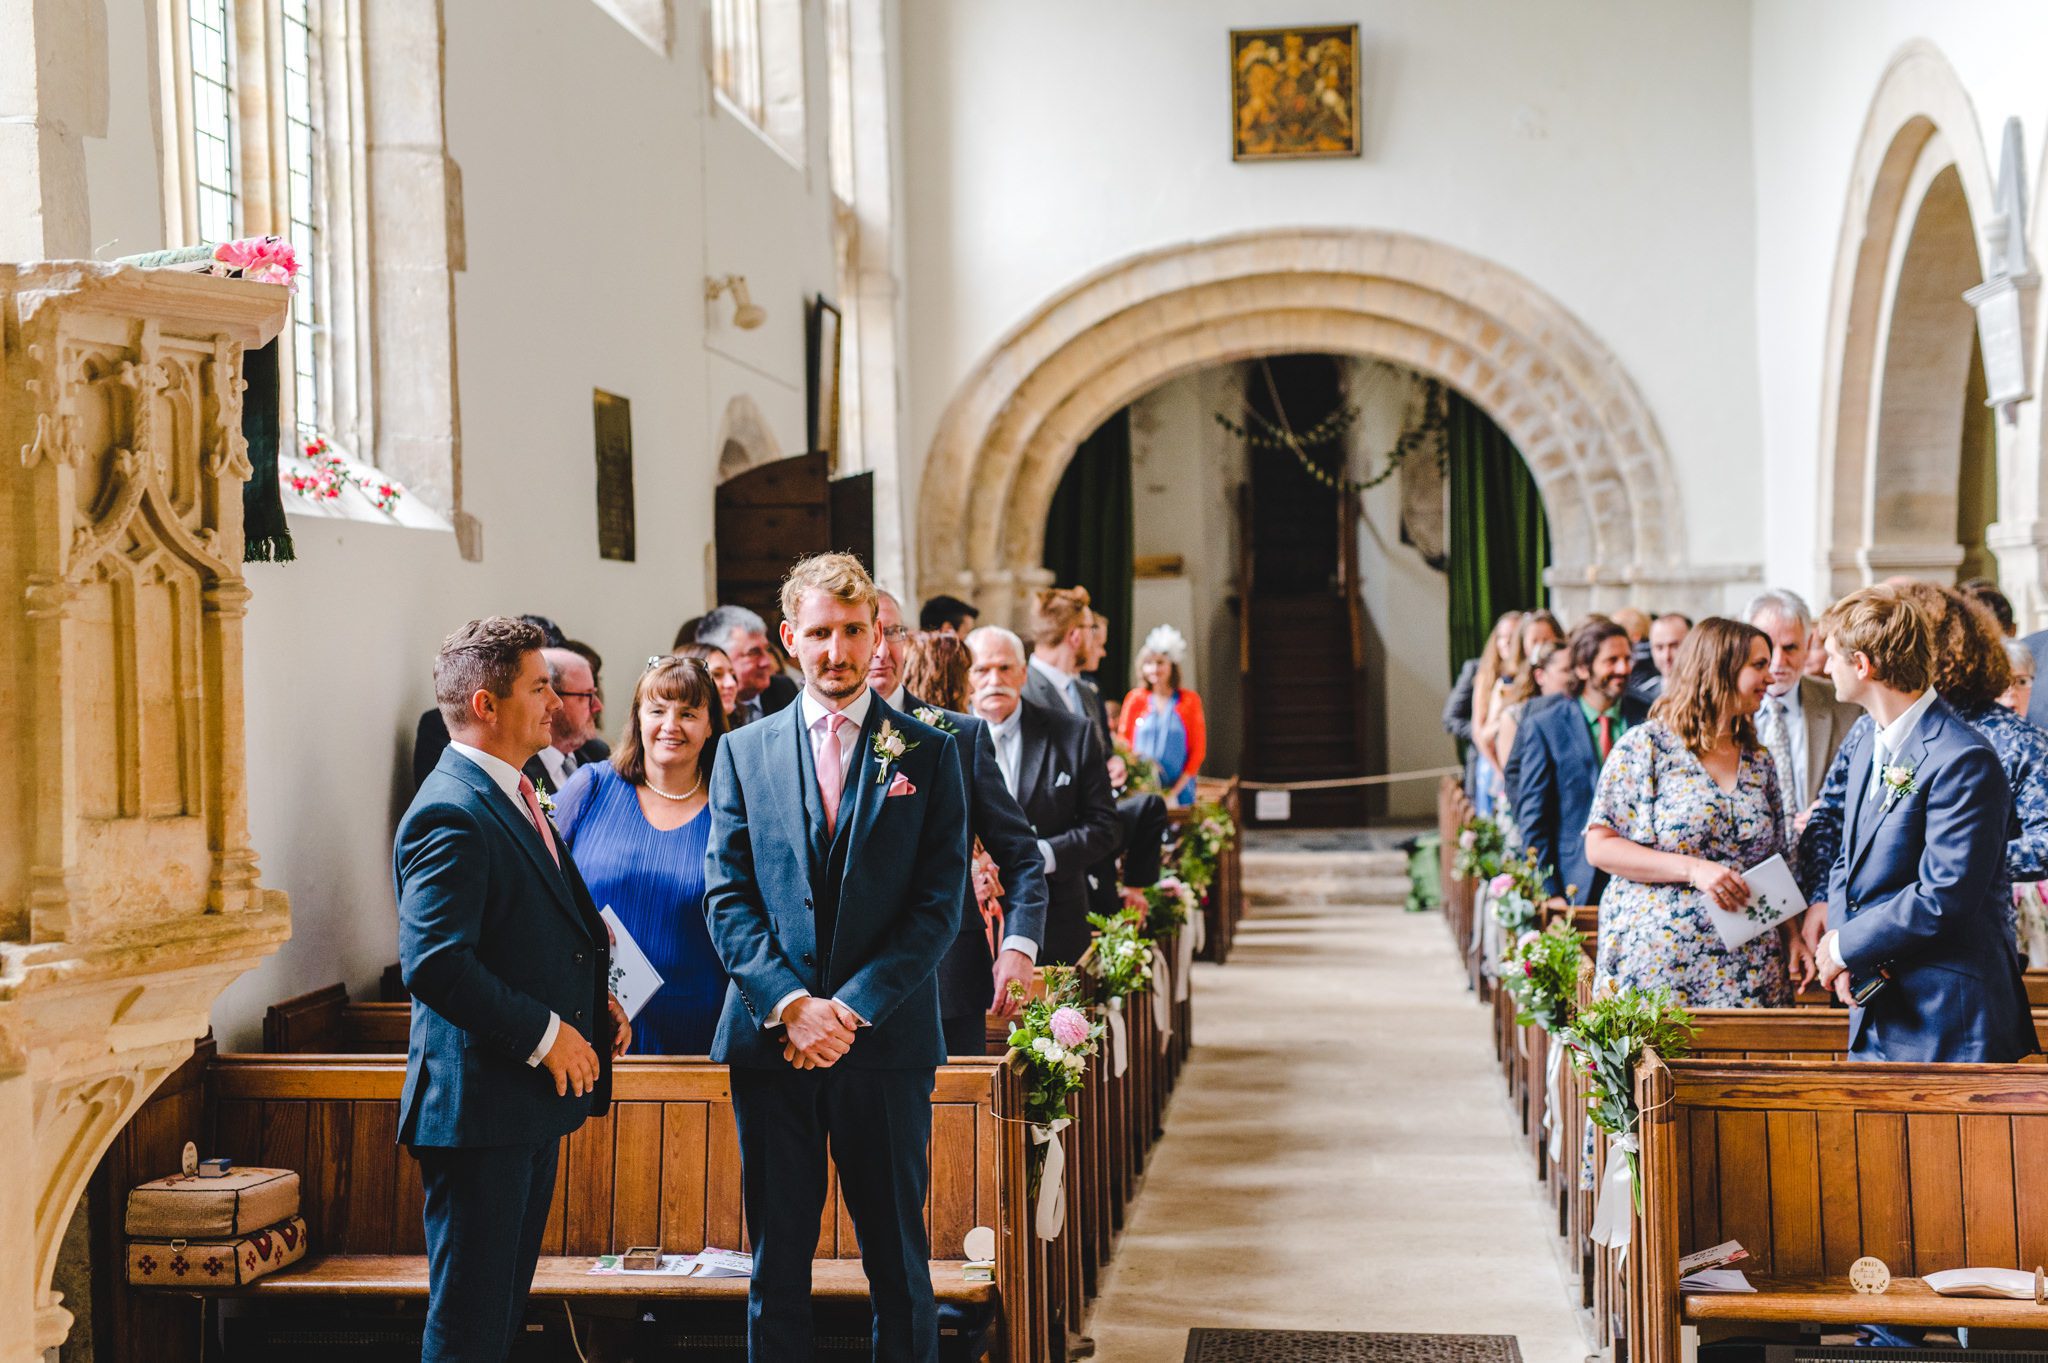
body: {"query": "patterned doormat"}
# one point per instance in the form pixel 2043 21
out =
pixel 1316 1346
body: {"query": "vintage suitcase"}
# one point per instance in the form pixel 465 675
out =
pixel 185 1206
pixel 226 1262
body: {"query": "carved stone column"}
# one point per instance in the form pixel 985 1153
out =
pixel 128 890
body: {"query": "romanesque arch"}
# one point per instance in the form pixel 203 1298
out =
pixel 1899 333
pixel 1539 372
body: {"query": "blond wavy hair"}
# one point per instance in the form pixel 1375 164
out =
pixel 837 575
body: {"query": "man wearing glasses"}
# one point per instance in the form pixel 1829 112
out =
pixel 575 724
pixel 764 689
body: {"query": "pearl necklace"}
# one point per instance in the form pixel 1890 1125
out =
pixel 649 783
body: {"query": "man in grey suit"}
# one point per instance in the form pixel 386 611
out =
pixel 1800 723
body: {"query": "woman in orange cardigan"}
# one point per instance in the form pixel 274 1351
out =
pixel 1162 720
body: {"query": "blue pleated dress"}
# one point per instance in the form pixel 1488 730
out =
pixel 654 881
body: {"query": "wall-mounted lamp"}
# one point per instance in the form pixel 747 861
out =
pixel 746 313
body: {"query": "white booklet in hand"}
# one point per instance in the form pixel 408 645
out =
pixel 1773 897
pixel 634 978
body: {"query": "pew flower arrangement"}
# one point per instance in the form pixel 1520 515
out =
pixel 1541 973
pixel 1515 891
pixel 1054 1038
pixel 1606 1039
pixel 1482 849
pixel 1121 958
pixel 1202 841
pixel 1141 774
pixel 1168 904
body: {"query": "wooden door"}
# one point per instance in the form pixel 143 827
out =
pixel 767 518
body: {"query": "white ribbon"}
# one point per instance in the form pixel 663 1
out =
pixel 1613 1214
pixel 1162 1005
pixel 1050 1215
pixel 1184 963
pixel 1553 1099
pixel 1482 914
pixel 1119 1040
pixel 1198 922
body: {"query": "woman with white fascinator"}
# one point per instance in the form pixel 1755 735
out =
pixel 1161 719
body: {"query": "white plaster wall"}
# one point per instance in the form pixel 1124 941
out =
pixel 1816 68
pixel 599 191
pixel 1598 147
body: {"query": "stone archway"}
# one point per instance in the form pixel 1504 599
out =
pixel 1590 440
pixel 1899 333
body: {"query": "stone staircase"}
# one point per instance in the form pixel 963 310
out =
pixel 1289 876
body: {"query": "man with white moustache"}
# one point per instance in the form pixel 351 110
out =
pixel 1053 765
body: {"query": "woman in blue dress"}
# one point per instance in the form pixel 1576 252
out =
pixel 638 829
pixel 1162 720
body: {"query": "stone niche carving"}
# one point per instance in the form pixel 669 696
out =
pixel 128 889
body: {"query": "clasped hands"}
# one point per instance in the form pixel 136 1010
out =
pixel 573 1064
pixel 817 1032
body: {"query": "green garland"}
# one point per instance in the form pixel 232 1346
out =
pixel 1435 420
pixel 1122 960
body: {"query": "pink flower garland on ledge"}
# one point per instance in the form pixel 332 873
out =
pixel 266 260
pixel 330 474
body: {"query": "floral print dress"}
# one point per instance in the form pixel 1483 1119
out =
pixel 1655 792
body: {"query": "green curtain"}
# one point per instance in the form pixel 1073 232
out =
pixel 1499 537
pixel 1088 538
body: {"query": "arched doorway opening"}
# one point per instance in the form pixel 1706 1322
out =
pixel 1909 452
pixel 1538 372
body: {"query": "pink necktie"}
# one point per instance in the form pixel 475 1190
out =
pixel 831 771
pixel 547 834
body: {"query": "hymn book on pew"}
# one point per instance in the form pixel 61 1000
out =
pixel 1707 1270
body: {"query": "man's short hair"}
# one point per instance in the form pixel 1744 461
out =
pixel 1680 616
pixel 484 655
pixel 1888 627
pixel 587 653
pixel 941 611
pixel 1592 632
pixel 719 624
pixel 551 633
pixel 1778 601
pixel 2021 659
pixel 1009 636
pixel 839 576
pixel 1057 612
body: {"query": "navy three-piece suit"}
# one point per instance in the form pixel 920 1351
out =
pixel 1919 892
pixel 493 936
pixel 863 916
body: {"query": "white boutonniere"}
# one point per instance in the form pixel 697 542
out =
pixel 1898 783
pixel 547 804
pixel 889 746
pixel 932 715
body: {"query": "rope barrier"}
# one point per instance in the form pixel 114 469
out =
pixel 1337 783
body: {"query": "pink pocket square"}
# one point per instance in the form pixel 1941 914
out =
pixel 899 784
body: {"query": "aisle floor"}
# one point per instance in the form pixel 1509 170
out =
pixel 1339 1155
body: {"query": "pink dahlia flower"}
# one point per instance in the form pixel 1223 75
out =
pixel 1069 1028
pixel 1501 884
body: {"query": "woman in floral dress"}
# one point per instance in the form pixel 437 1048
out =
pixel 1686 803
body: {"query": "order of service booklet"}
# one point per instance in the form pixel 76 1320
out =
pixel 634 978
pixel 1773 897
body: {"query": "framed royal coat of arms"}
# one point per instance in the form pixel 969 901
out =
pixel 1294 92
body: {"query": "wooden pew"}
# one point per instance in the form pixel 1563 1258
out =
pixel 662 1167
pixel 1811 1164
pixel 325 1022
pixel 1223 909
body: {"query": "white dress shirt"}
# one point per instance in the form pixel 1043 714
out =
pixel 507 777
pixel 561 766
pixel 814 713
pixel 1795 743
pixel 1009 736
pixel 1892 738
pixel 1069 685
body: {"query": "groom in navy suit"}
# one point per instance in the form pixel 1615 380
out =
pixel 836 872
pixel 1918 893
pixel 507 962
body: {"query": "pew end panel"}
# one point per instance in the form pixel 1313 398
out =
pixel 1812 1164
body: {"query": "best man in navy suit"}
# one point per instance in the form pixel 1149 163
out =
pixel 1558 754
pixel 835 876
pixel 1918 894
pixel 507 962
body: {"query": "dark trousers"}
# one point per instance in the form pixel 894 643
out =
pixel 1145 823
pixel 877 1124
pixel 486 1209
pixel 966 1034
